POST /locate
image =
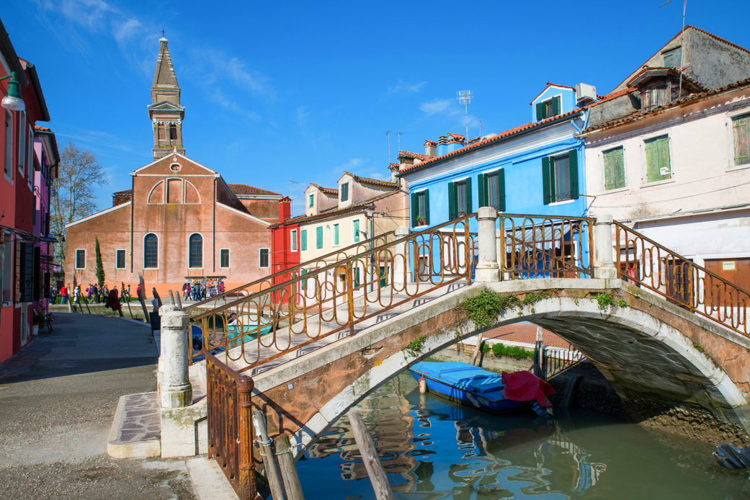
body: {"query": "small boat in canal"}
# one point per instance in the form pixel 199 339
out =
pixel 473 386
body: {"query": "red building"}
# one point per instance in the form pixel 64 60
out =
pixel 285 249
pixel 20 248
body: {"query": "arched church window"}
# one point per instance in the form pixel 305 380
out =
pixel 195 250
pixel 150 251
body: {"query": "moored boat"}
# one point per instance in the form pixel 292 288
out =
pixel 474 386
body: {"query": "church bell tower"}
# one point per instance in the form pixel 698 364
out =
pixel 165 110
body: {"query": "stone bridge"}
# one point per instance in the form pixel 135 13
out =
pixel 321 339
pixel 645 345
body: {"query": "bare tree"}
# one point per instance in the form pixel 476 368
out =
pixel 74 198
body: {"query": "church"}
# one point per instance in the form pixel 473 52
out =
pixel 180 220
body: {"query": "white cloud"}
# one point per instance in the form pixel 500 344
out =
pixel 438 106
pixel 350 164
pixel 218 97
pixel 302 116
pixel 402 87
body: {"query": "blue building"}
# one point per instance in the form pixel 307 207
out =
pixel 536 168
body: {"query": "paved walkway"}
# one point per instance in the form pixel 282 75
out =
pixel 57 400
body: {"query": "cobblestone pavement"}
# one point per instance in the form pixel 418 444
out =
pixel 57 400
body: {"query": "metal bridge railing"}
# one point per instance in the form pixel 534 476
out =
pixel 646 263
pixel 286 274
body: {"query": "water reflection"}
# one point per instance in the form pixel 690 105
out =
pixel 433 449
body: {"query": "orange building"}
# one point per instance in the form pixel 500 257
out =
pixel 180 221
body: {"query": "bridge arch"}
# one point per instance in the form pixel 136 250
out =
pixel 632 346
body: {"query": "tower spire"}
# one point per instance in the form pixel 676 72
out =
pixel 165 110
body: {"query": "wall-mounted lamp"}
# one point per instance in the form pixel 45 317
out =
pixel 13 100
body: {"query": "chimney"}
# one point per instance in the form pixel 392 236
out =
pixel 430 148
pixel 285 208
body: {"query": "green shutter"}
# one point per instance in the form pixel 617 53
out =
pixel 614 169
pixel 555 106
pixel 469 204
pixel 501 189
pixel 547 180
pixel 319 237
pixel 355 229
pixel 427 206
pixel 335 234
pixel 540 108
pixel 304 239
pixel 482 189
pixel 414 209
pixel 657 156
pixel 452 208
pixel 573 164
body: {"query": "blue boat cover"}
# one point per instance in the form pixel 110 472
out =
pixel 464 376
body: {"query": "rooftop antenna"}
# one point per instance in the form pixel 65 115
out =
pixel 388 138
pixel 398 138
pixel 465 97
pixel 682 35
pixel 481 127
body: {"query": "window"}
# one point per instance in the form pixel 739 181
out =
pixel 420 208
pixel 319 237
pixel 30 158
pixel 172 132
pixel 345 191
pixel 614 169
pixel 492 189
pixel 263 257
pixel 80 259
pixel 548 108
pixel 195 250
pixel 22 142
pixel 673 58
pixel 293 242
pixel 335 234
pixel 355 230
pixel 459 198
pixel 652 97
pixel 560 177
pixel 303 237
pixel 119 259
pixel 26 276
pixel 224 257
pixel 9 144
pixel 658 164
pixel 741 131
pixel 311 201
pixel 150 251
pixel 7 267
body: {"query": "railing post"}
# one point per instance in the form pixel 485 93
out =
pixel 487 267
pixel 604 266
pixel 175 390
pixel 400 259
pixel 246 476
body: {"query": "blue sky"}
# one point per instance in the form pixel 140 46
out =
pixel 300 91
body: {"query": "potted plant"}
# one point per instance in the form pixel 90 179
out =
pixel 421 221
pixel 37 320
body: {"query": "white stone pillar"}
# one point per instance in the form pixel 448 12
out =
pixel 604 266
pixel 487 267
pixel 175 390
pixel 401 258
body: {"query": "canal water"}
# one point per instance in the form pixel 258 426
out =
pixel 432 448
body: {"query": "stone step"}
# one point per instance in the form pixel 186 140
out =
pixel 136 428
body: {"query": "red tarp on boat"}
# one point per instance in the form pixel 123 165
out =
pixel 525 386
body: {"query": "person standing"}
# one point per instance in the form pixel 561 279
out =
pixel 64 294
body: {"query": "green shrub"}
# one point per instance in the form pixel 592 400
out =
pixel 515 352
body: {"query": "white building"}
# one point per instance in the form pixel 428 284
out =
pixel 680 174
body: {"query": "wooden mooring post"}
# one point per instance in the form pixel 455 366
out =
pixel 370 456
pixel 281 471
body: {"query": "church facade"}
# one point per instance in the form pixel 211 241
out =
pixel 180 220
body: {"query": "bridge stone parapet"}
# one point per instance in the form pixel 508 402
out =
pixel 648 346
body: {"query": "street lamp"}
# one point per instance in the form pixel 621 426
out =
pixel 13 100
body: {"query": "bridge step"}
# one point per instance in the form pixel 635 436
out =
pixel 136 428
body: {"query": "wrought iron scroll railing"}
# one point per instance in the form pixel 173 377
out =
pixel 331 300
pixel 230 425
pixel 285 274
pixel 539 246
pixel 557 360
pixel 648 264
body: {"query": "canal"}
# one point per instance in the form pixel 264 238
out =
pixel 432 448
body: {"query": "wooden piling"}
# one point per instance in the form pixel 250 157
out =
pixel 288 468
pixel 275 482
pixel 370 457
